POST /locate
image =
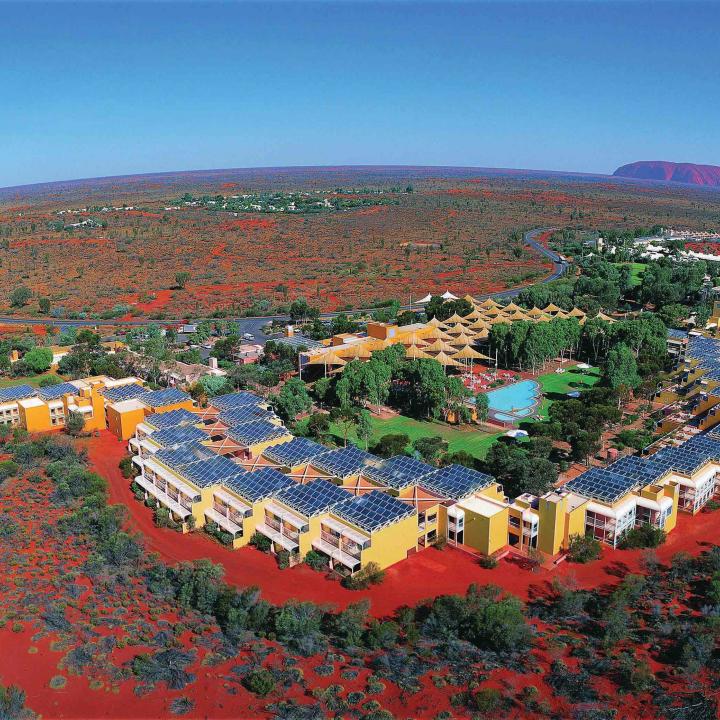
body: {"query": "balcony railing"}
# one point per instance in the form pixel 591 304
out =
pixel 330 539
pixel 272 523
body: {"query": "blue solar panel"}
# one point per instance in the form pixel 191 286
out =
pixel 218 469
pixel 345 462
pixel 601 484
pixel 316 497
pixel 259 485
pixel 456 481
pixel 184 455
pixel 707 444
pixel 174 418
pixel 245 413
pixel 238 399
pixel 174 436
pixel 681 459
pixel 161 398
pixel 398 472
pixel 52 392
pixel 298 451
pixel 643 470
pixel 16 392
pixel 374 510
pixel 124 392
pixel 252 433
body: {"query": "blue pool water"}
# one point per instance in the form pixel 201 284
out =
pixel 515 402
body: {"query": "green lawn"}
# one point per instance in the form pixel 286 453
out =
pixel 34 380
pixel 557 385
pixel 636 271
pixel 474 441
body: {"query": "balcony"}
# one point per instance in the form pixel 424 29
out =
pixel 277 537
pixel 224 522
pixel 336 554
pixel 273 523
pixel 162 497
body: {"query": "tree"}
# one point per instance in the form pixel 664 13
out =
pixel 482 406
pixel 300 310
pixel 621 368
pixel 44 305
pixel 39 359
pixel 318 425
pixel 182 278
pixel 391 444
pixel 346 417
pixel 365 427
pixel 259 681
pixel 322 389
pixel 292 400
pixel 430 448
pixel 583 549
pixel 74 423
pixel 20 296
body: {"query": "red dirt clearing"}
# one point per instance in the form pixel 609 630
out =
pixel 424 575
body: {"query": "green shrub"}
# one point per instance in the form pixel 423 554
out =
pixel 316 560
pixel 259 681
pixel 371 574
pixel 126 467
pixel 261 542
pixel 8 468
pixel 488 562
pixel 643 536
pixel 283 559
pixel 584 549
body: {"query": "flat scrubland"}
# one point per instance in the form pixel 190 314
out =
pixel 453 231
pixel 91 628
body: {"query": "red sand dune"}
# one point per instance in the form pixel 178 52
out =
pixel 688 173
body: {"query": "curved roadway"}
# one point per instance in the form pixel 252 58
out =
pixel 254 325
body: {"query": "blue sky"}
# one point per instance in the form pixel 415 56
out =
pixel 93 89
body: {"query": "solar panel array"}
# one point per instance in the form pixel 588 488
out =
pixel 183 455
pixel 457 481
pixel 296 452
pixel 681 459
pixel 52 392
pixel 601 484
pixel 218 469
pixel 373 510
pixel 259 485
pixel 644 471
pixel 17 392
pixel 233 400
pixel 398 472
pixel 708 444
pixel 124 392
pixel 707 352
pixel 251 433
pixel 167 396
pixel 173 418
pixel 316 497
pixel 345 462
pixel 245 413
pixel 175 436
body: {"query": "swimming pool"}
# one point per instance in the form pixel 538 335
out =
pixel 515 402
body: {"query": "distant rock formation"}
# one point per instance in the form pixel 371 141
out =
pixel 671 172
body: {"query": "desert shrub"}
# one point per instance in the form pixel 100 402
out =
pixel 166 666
pixel 316 560
pixel 8 468
pixel 181 706
pixel 644 536
pixel 261 542
pixel 371 574
pixel 488 562
pixel 291 710
pixel 259 681
pixel 382 634
pixel 58 682
pixel 298 625
pixel 126 467
pixel 488 701
pixel 324 670
pixel 575 687
pixel 634 674
pixel 8 527
pixel 283 559
pixel 583 549
pixel 12 704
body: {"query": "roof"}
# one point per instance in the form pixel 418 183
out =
pixel 167 396
pixel 180 435
pixel 602 484
pixel 16 392
pixel 344 462
pixel 128 405
pixel 217 469
pixel 482 506
pixel 124 392
pixel 398 472
pixel 373 510
pixel 173 418
pixel 644 470
pixel 184 455
pixel 51 392
pixel 251 433
pixel 245 413
pixel 259 485
pixel 237 399
pixel 296 452
pixel 316 497
pixel 457 481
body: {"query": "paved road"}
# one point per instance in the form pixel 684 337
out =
pixel 254 325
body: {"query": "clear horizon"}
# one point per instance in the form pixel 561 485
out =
pixel 121 89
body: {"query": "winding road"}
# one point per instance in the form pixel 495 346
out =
pixel 254 325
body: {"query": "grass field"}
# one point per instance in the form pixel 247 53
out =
pixel 476 442
pixel 557 385
pixel 636 271
pixel 33 380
